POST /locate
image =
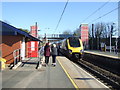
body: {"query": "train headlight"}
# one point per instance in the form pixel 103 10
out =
pixel 81 51
pixel 70 51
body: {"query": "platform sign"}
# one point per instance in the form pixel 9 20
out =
pixel 84 35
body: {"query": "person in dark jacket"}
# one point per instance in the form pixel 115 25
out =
pixel 47 53
pixel 54 54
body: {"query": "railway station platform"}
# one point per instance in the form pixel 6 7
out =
pixel 102 53
pixel 65 74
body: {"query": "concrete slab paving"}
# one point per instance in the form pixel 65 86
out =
pixel 65 74
pixel 81 78
pixel 28 76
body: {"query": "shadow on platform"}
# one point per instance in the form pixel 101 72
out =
pixel 84 78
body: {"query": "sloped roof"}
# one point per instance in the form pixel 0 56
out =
pixel 11 30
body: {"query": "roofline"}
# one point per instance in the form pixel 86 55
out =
pixel 21 32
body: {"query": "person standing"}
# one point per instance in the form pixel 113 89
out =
pixel 54 54
pixel 58 49
pixel 47 53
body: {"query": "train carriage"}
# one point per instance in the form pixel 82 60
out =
pixel 72 47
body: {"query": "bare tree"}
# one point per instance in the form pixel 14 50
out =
pixel 77 32
pixel 97 33
pixel 101 33
pixel 67 32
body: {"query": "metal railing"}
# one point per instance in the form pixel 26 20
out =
pixel 17 56
pixel 40 54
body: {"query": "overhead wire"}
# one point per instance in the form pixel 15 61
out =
pixel 61 15
pixel 96 11
pixel 105 14
pixel 88 16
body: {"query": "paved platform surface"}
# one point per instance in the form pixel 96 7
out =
pixel 80 77
pixel 28 76
pixel 65 75
pixel 107 53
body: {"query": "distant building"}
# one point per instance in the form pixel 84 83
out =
pixel 84 35
pixel 65 35
pixel 34 31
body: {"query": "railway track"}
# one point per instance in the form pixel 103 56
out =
pixel 108 78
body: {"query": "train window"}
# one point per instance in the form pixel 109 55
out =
pixel 74 42
pixel 66 44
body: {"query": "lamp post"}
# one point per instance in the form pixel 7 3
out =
pixel 111 31
pixel 92 35
pixel 116 41
pixel 39 34
pixel 110 41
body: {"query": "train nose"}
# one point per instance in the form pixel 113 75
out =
pixel 76 55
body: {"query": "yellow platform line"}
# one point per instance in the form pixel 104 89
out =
pixel 74 84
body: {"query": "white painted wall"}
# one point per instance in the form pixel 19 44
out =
pixel 23 49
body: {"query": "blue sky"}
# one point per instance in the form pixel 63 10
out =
pixel 47 14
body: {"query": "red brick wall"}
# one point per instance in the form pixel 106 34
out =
pixel 34 31
pixel 84 35
pixel 9 44
pixel 26 49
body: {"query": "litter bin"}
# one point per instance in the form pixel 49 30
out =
pixel 2 60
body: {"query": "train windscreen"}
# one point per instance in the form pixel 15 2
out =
pixel 74 42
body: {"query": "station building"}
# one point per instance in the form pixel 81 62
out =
pixel 14 39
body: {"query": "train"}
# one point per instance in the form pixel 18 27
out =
pixel 72 47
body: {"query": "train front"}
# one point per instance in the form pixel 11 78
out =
pixel 75 47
